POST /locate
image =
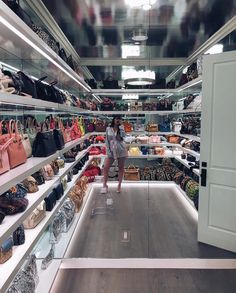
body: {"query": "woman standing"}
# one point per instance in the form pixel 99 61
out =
pixel 116 150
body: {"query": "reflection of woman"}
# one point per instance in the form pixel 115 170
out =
pixel 116 150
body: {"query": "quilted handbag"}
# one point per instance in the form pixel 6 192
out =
pixel 44 144
pixel 6 250
pixel 30 184
pixel 16 151
pixel 19 236
pixel 132 173
pixel 35 217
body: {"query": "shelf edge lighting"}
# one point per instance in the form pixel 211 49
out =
pixel 28 41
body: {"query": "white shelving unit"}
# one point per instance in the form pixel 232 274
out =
pixel 9 269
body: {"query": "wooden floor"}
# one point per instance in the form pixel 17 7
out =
pixel 159 226
pixel 144 281
pixel 158 223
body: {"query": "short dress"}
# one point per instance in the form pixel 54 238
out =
pixel 115 148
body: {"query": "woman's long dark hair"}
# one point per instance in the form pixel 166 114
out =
pixel 113 120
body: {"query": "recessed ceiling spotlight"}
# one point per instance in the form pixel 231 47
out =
pixel 139 35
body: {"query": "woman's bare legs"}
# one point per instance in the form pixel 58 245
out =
pixel 121 166
pixel 107 165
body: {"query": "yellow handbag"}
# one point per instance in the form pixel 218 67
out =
pixel 134 151
pixel 81 125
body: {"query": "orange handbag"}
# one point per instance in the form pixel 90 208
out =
pixel 128 127
pixel 5 140
pixel 16 151
pixel 173 139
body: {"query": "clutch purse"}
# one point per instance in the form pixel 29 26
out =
pixel 36 217
pixel 6 250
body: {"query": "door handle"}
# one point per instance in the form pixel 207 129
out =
pixel 203 177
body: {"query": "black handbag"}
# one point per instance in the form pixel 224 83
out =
pixel 42 89
pixel 50 200
pixel 2 216
pixel 58 191
pixel 19 236
pixel 44 144
pixel 38 176
pixel 58 137
pixel 62 54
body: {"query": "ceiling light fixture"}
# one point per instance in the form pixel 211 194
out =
pixel 141 81
pixel 139 78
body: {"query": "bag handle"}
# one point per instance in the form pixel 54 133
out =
pixel 43 124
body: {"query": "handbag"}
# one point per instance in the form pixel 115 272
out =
pixel 154 139
pixel 100 126
pixel 132 173
pixel 50 200
pixel 152 127
pixel 134 151
pixel 47 172
pixel 55 167
pixel 176 126
pixel 30 184
pixel 64 183
pixel 13 206
pixel 17 191
pixel 31 130
pixel 173 139
pixel 44 144
pixel 159 151
pixel 94 151
pixel 107 105
pixel 75 131
pixel 68 211
pixel 5 140
pixel 55 229
pixel 142 139
pixel 38 176
pixel 58 137
pixel 6 250
pixel 58 191
pixel 19 236
pixel 128 127
pixel 25 139
pixel 2 216
pixel 76 194
pixel 35 217
pixel 16 151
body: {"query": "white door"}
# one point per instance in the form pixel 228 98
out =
pixel 217 199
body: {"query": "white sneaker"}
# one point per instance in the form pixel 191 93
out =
pixel 104 190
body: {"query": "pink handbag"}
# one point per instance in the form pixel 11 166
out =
pixel 5 140
pixel 142 139
pixel 154 139
pixel 16 151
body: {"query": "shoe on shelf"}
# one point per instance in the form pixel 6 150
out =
pixel 104 190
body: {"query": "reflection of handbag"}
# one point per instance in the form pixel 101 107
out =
pixel 134 151
pixel 44 143
pixel 68 211
pixel 152 127
pixel 132 173
pixel 48 259
pixel 35 217
pixel 6 250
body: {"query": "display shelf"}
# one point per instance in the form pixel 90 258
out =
pixel 42 247
pixel 69 145
pixel 47 277
pixel 28 41
pixel 10 223
pixel 10 268
pixel 16 175
pixel 190 152
pixel 188 136
pixel 190 84
pixel 161 113
pixel 185 163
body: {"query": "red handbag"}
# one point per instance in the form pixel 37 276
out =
pixel 5 140
pixel 94 151
pixel 100 138
pixel 16 151
pixel 75 131
pixel 91 172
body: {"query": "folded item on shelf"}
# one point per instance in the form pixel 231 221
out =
pixel 6 250
pixel 132 173
pixel 36 216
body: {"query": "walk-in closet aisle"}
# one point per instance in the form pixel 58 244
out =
pixel 161 246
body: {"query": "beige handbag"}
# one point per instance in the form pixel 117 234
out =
pixel 30 184
pixel 152 127
pixel 132 173
pixel 36 217
pixel 76 194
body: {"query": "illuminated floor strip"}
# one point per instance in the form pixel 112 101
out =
pixel 143 263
